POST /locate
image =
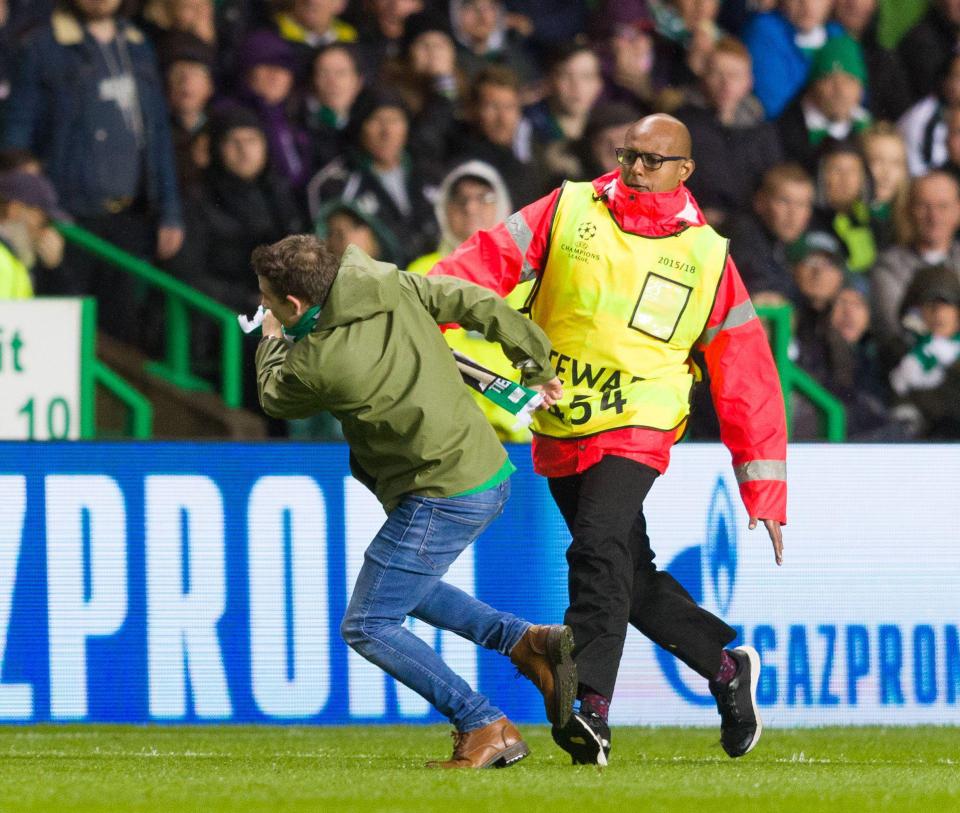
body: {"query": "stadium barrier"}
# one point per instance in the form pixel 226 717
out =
pixel 179 301
pixel 172 582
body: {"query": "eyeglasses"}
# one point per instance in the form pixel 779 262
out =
pixel 650 160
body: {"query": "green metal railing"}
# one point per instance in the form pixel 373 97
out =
pixel 795 380
pixel 140 422
pixel 94 372
pixel 180 299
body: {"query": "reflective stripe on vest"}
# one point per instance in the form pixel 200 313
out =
pixel 622 312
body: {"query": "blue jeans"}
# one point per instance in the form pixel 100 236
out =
pixel 401 576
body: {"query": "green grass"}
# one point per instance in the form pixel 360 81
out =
pixel 119 768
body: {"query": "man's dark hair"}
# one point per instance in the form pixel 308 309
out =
pixel 300 265
pixel 494 76
pixel 560 55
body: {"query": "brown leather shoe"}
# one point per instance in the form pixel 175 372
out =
pixel 543 656
pixel 498 745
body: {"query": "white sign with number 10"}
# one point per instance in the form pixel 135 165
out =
pixel 40 369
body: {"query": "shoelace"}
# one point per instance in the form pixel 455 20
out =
pixel 728 699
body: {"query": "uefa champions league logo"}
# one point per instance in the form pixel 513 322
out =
pixel 713 564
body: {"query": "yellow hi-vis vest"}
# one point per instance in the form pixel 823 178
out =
pixel 622 312
pixel 489 354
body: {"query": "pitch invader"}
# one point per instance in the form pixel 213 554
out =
pixel 365 347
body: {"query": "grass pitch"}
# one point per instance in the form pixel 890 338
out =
pixel 119 768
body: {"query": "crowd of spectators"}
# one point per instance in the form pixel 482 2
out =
pixel 190 131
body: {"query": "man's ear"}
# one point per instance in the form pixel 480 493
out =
pixel 299 306
pixel 687 168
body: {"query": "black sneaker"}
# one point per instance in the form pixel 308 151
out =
pixel 740 723
pixel 586 737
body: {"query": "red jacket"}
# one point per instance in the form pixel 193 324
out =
pixel 744 383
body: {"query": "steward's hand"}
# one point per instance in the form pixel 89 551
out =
pixel 776 537
pixel 552 392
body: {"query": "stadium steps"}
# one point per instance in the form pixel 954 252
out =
pixel 177 413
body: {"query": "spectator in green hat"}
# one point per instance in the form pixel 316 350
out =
pixel 831 106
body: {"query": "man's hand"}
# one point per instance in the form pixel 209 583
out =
pixel 271 326
pixel 552 392
pixel 169 241
pixel 773 528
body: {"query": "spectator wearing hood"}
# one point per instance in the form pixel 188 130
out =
pixel 269 71
pixel 473 197
pixel 484 39
pixel 242 204
pixel 379 176
pixel 27 204
pixel 927 379
pixel 188 65
pixel 326 106
pixel 783 44
pixel 831 106
pixel 924 127
pixel 733 145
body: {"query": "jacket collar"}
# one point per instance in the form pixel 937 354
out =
pixel 651 214
pixel 67 29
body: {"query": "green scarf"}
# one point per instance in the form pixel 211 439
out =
pixel 304 325
pixel 927 360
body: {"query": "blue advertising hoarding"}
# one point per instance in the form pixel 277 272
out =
pixel 172 582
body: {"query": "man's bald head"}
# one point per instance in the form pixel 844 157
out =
pixel 672 132
pixel 664 136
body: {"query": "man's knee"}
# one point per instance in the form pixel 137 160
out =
pixel 358 630
pixel 354 630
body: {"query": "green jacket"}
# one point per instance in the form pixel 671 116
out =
pixel 377 361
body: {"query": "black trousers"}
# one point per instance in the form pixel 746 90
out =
pixel 613 579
